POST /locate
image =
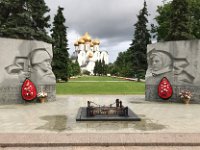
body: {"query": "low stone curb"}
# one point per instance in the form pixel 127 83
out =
pixel 96 139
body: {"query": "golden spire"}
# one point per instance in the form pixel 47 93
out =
pixel 87 37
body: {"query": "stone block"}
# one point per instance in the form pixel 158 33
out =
pixel 21 59
pixel 179 62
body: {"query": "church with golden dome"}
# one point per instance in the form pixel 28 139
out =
pixel 87 52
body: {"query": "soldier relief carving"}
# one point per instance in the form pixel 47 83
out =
pixel 177 70
pixel 21 59
pixel 179 62
pixel 159 63
pixel 36 66
pixel 41 67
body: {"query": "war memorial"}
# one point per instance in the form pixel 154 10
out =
pixel 21 59
pixel 30 60
pixel 36 70
pixel 179 62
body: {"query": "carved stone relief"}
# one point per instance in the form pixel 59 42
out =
pixel 179 61
pixel 25 59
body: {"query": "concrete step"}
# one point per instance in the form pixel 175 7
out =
pixel 60 140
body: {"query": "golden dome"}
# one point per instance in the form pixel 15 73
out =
pixel 81 41
pixel 96 42
pixel 87 37
pixel 76 43
pixel 91 44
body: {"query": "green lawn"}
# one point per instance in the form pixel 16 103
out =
pixel 96 78
pixel 102 86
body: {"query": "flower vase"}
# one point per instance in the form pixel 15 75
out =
pixel 42 99
pixel 186 100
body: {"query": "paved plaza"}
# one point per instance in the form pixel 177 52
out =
pixel 60 116
pixel 52 125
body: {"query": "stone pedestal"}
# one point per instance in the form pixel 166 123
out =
pixel 179 62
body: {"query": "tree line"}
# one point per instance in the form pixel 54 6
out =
pixel 100 68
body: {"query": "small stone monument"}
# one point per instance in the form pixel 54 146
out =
pixel 21 59
pixel 179 62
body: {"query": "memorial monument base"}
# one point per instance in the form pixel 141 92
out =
pixel 82 116
pixel 151 93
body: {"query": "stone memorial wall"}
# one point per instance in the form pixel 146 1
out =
pixel 21 59
pixel 179 62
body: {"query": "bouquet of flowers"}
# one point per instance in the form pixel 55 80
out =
pixel 185 94
pixel 42 94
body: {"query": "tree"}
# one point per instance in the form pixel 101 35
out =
pixel 99 68
pixel 139 43
pixel 111 69
pixel 39 11
pixel 4 12
pixel 163 20
pixel 61 56
pixel 179 21
pixel 73 68
pixel 194 9
pixel 123 65
pixel 17 19
pixel 76 68
pixel 96 67
pixel 161 31
pixel 104 72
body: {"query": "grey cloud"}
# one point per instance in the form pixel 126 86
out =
pixel 109 20
pixel 101 18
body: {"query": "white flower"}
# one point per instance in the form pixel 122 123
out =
pixel 185 94
pixel 42 94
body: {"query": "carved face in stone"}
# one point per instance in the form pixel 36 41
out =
pixel 159 62
pixel 41 72
pixel 156 63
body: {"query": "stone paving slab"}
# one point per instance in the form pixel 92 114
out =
pixel 60 116
pixel 53 125
pixel 78 139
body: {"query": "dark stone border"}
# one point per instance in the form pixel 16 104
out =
pixel 81 116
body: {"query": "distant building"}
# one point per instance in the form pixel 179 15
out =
pixel 87 52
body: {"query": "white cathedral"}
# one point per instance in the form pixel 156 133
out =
pixel 87 52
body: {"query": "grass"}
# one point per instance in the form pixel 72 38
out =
pixel 95 78
pixel 100 87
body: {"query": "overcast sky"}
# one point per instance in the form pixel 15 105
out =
pixel 109 20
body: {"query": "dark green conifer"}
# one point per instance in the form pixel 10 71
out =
pixel 139 43
pixel 40 19
pixel 19 19
pixel 96 68
pixel 60 61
